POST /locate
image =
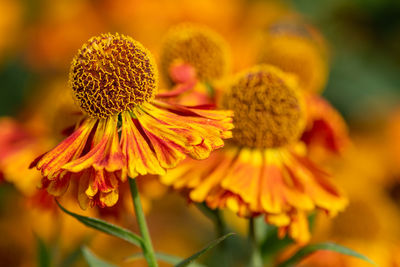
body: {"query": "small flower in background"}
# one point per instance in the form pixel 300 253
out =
pixel 198 46
pixel 370 223
pixel 114 81
pixel 194 59
pixel 265 168
pixel 297 48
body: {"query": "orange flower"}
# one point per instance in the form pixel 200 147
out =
pixel 197 46
pixel 299 49
pixel 265 169
pixel 127 131
pixel 193 59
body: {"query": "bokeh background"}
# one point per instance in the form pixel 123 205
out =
pixel 38 39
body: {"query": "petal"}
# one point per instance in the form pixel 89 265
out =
pixel 247 164
pixel 59 186
pixel 326 128
pixel 97 152
pixel 109 199
pixel 51 163
pixel 140 158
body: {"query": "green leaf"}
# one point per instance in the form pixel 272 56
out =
pixel 106 227
pixel 307 250
pixel 71 258
pixel 171 259
pixel 43 253
pixel 93 260
pixel 212 244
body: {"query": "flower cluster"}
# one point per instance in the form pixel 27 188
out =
pixel 126 130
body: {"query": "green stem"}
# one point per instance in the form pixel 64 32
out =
pixel 147 246
pixel 256 258
pixel 216 217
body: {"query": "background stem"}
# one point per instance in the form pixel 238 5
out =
pixel 147 246
pixel 256 258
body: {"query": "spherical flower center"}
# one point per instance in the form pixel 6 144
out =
pixel 269 111
pixel 197 46
pixel 111 74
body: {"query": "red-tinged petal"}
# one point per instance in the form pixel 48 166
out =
pixel 114 159
pixel 109 199
pixel 96 153
pixel 83 185
pixel 182 73
pixel 71 147
pixel 208 183
pixel 247 164
pixel 316 184
pixel 326 128
pixel 178 90
pixel 94 179
pixel 169 152
pixel 140 159
pixel 202 150
pixel 195 111
pixel 59 186
pixel 201 135
pixel 161 130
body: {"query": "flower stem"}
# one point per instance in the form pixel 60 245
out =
pixel 147 246
pixel 256 258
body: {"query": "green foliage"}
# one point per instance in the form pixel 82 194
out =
pixel 43 253
pixel 309 249
pixel 93 260
pixel 212 244
pixel 106 227
pixel 173 260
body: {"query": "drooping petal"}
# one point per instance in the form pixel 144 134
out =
pixel 106 154
pixel 204 130
pixel 140 158
pixel 280 183
pixel 50 164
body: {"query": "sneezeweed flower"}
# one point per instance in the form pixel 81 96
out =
pixel 297 48
pixel 197 46
pixel 127 131
pixel 265 168
pixel 370 223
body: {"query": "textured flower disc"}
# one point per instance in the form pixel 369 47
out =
pixel 112 73
pixel 198 46
pixel 269 111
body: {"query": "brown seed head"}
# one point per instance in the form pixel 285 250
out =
pixel 198 46
pixel 112 73
pixel 269 110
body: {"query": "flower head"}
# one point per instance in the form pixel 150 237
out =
pixel 128 132
pixel 299 49
pixel 111 74
pixel 268 112
pixel 197 46
pixel 265 168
